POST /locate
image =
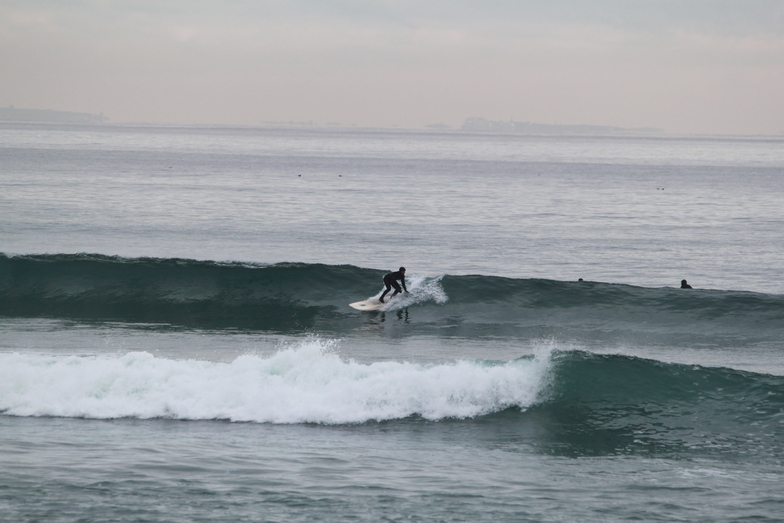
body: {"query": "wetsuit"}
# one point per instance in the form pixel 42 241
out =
pixel 390 280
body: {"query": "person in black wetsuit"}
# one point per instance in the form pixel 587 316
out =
pixel 390 280
pixel 685 285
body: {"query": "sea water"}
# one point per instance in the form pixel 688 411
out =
pixel 176 344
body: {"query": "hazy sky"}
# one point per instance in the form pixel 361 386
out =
pixel 685 66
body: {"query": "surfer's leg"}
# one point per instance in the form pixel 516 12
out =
pixel 397 289
pixel 389 287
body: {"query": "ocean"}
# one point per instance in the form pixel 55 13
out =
pixel 176 342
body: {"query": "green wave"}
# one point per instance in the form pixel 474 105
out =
pixel 293 297
pixel 622 405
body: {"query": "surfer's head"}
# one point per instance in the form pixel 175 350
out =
pixel 402 269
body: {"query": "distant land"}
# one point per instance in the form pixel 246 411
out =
pixel 472 125
pixel 481 125
pixel 13 114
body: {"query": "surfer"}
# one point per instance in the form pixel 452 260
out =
pixel 390 280
pixel 685 285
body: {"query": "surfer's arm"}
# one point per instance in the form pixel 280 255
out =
pixel 403 281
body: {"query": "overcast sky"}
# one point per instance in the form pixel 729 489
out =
pixel 685 66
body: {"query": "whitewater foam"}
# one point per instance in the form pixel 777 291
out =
pixel 307 383
pixel 421 289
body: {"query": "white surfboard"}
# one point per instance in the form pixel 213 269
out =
pixel 370 305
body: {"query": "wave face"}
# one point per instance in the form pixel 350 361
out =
pixel 564 402
pixel 176 291
pixel 620 404
pixel 295 297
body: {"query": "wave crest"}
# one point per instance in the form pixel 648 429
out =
pixel 309 383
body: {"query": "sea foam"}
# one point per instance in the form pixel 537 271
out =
pixel 308 383
pixel 421 290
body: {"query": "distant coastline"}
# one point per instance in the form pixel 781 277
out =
pixel 482 125
pixel 470 125
pixel 14 114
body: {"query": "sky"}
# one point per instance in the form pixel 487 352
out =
pixel 683 66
